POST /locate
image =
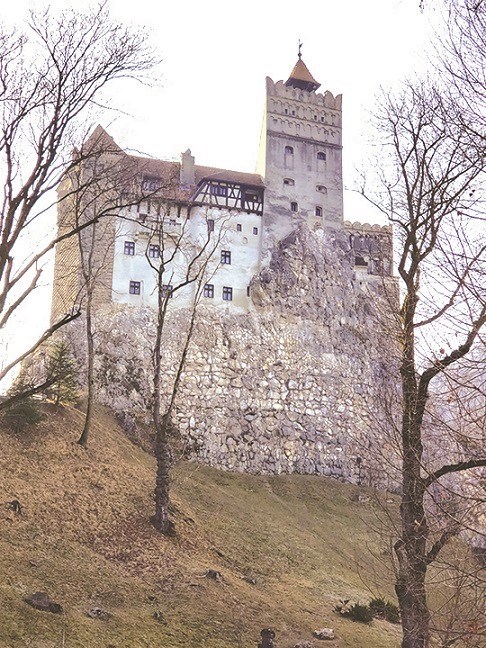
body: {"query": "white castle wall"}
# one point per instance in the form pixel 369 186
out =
pixel 244 245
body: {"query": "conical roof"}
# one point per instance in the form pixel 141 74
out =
pixel 300 77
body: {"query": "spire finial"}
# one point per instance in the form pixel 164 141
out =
pixel 300 47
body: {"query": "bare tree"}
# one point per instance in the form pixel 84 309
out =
pixel 52 78
pixel 430 189
pixel 181 264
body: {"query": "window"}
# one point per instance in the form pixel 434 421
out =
pixel 321 189
pixel 293 113
pixel 248 291
pixel 322 118
pixel 238 227
pixel 210 225
pixel 134 288
pixel 166 290
pixel 219 190
pixel 151 183
pixel 294 206
pixel 172 222
pixel 255 230
pixel 289 150
pixel 129 248
pixel 321 156
pixel 209 290
pixel 315 117
pixel 318 211
pixel 289 182
pixel 154 251
pixel 226 257
pixel 251 196
pixel 286 111
pixel 227 293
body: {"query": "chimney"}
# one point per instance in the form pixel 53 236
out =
pixel 188 174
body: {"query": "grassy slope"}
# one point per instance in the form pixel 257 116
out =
pixel 85 539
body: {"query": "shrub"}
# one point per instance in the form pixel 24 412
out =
pixel 377 606
pixel 22 414
pixel 382 609
pixel 392 613
pixel 360 613
pixel 356 612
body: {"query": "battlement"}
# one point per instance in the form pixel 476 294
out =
pixel 326 99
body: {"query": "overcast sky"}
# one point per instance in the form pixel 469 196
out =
pixel 216 55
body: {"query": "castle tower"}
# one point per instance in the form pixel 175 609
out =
pixel 300 156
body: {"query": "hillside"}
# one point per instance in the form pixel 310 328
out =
pixel 287 547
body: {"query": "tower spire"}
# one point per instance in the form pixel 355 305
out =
pixel 300 77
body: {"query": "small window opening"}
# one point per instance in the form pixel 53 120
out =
pixel 134 288
pixel 293 113
pixel 321 156
pixel 129 248
pixel 210 225
pixel 255 230
pixel 286 111
pixel 154 251
pixel 321 189
pixel 225 257
pixel 238 227
pixel 315 117
pixel 167 291
pixel 227 293
pixel 318 211
pixel 294 206
pixel 289 182
pixel 322 118
pixel 209 290
pixel 248 291
pixel 289 150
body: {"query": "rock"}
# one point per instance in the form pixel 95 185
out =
pixel 158 616
pixel 41 601
pixel 324 633
pixel 267 636
pixel 304 644
pixel 214 575
pixel 98 613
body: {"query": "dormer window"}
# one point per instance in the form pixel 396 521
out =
pixel 289 182
pixel 321 156
pixel 289 150
pixel 151 183
pixel 219 190
pixel 294 207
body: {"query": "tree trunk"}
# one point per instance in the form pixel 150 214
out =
pixel 83 439
pixel 161 519
pixel 410 590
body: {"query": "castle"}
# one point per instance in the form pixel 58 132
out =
pixel 286 369
pixel 298 180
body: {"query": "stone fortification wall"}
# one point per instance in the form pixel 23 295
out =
pixel 292 386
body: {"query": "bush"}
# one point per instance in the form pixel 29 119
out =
pixel 382 609
pixel 360 613
pixel 22 414
pixel 356 612
pixel 392 613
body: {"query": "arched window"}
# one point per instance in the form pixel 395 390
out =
pixel 318 211
pixel 289 150
pixel 289 182
pixel 321 156
pixel 294 206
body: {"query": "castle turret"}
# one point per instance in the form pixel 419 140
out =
pixel 300 156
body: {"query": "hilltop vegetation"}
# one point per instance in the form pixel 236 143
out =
pixel 287 547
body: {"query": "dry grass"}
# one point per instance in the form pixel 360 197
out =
pixel 85 538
